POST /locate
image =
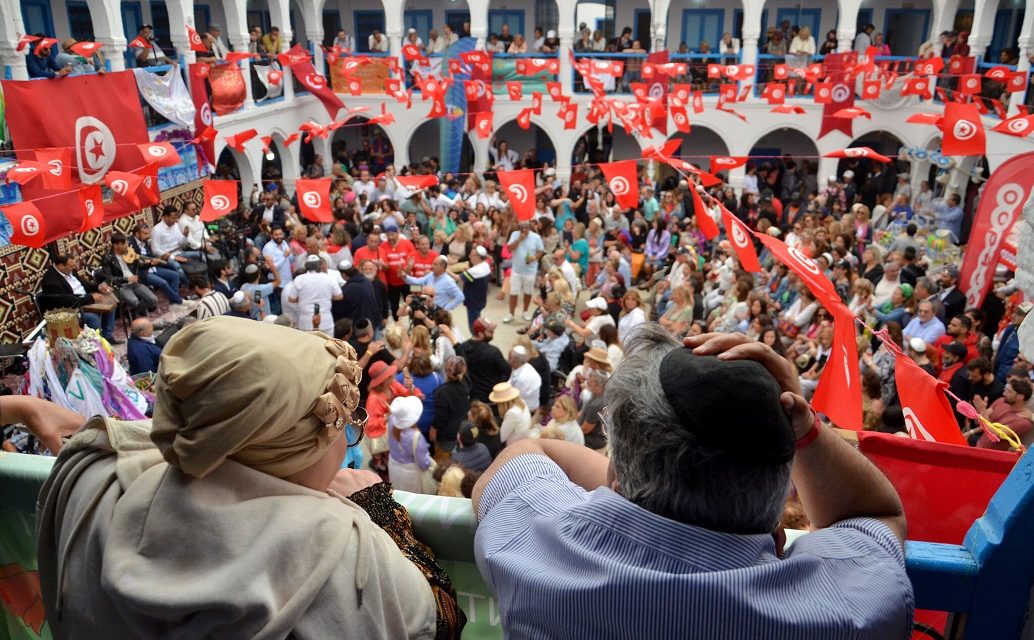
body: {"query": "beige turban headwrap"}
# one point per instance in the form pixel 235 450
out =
pixel 267 396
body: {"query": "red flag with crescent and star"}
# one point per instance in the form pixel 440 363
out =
pixel 841 93
pixel 101 134
pixel 202 112
pixel 220 199
pixel 622 180
pixel 742 241
pixel 519 186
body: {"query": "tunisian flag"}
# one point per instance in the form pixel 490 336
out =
pixel 740 238
pixel 623 181
pixel 839 394
pixel 98 117
pixel 520 188
pixel 841 93
pixel 220 199
pixel 963 130
pixel 317 86
pixel 702 215
pixel 202 110
pixel 314 199
pixel 28 224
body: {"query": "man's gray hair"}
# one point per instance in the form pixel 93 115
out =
pixel 662 466
pixel 928 284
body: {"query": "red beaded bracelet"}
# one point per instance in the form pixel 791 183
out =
pixel 813 433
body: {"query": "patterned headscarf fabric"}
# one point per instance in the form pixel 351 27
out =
pixel 266 396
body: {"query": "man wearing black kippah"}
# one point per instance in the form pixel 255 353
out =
pixel 676 534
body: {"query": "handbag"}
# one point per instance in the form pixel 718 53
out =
pixel 788 329
pixel 428 485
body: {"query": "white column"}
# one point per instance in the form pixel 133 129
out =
pixel 480 151
pixel 11 26
pixel 288 80
pixel 1025 47
pixel 479 21
pixel 943 20
pixel 114 51
pixel 181 13
pixel 14 59
pixel 316 46
pixel 240 43
pixel 847 24
pixel 983 27
pixel 659 24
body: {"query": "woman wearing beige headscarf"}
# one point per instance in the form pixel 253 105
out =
pixel 229 518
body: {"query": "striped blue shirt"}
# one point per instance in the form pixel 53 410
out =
pixel 567 563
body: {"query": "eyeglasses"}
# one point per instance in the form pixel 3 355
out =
pixel 358 424
pixel 605 418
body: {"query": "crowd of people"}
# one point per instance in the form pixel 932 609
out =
pixel 598 294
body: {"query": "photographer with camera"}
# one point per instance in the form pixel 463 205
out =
pixel 448 292
pixel 258 289
pixel 420 308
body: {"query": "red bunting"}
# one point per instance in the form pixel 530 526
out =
pixel 1020 126
pixel 917 87
pixel 682 94
pixel 514 89
pixel 43 44
pixel 524 118
pixel 623 182
pixel 536 103
pixel 148 193
pixel 417 182
pixel 839 392
pixel 293 56
pixel 26 171
pixel 535 66
pixel 804 267
pixel 58 175
pixel 970 83
pixel 124 185
pixel 483 124
pixel 774 92
pixel 161 152
pixel 24 41
pixel 698 102
pixel 851 113
pixel 928 66
pixel 963 131
pixel 961 65
pixel 314 199
pixel 27 224
pixel 86 49
pixel 928 416
pixel 196 44
pixel 569 114
pixel 704 221
pixel 858 152
pixel 237 141
pixel 871 89
pixel 679 117
pixel 520 189
pixel 740 239
pixel 220 199
pixel 411 52
pixel 723 163
pixel 824 92
pixel 92 202
pixel 1017 82
pixel 316 84
pixel 789 108
pixel 925 118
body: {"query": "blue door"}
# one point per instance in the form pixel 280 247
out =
pixel 80 24
pixel 737 23
pixel 864 18
pixel 331 25
pixel 800 18
pixel 132 20
pixel 160 22
pixel 699 25
pixel 419 19
pixel 202 17
pixel 455 19
pixel 365 24
pixel 259 18
pixel 37 17
pixel 515 18
pixel 905 30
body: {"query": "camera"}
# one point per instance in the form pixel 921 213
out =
pixel 420 302
pixel 258 297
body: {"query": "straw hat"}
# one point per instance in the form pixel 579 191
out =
pixel 599 355
pixel 503 392
pixel 381 371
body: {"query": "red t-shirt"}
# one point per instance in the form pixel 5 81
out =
pixel 366 253
pixel 396 257
pixel 422 263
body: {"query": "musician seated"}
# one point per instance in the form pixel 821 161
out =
pixel 63 286
pixel 121 268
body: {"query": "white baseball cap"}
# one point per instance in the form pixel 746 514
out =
pixel 597 303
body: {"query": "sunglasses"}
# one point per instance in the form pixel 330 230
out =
pixel 358 423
